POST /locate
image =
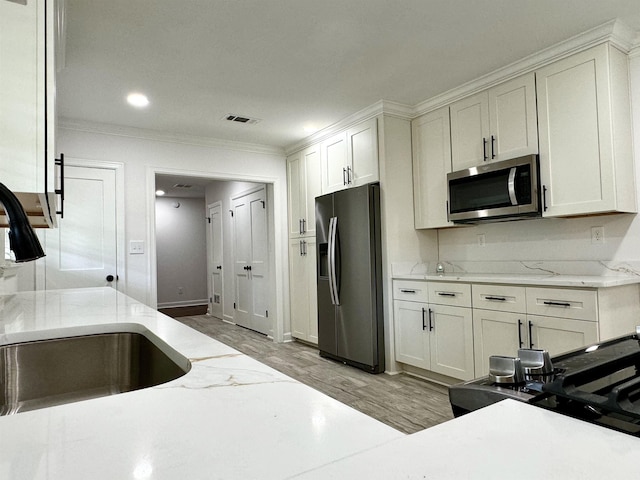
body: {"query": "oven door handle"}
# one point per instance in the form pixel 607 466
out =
pixel 511 185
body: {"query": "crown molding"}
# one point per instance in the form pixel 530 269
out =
pixel 614 31
pixel 145 134
pixel 381 107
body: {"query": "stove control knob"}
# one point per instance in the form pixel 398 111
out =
pixel 535 362
pixel 505 370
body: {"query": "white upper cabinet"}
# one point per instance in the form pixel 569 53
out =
pixel 27 84
pixel 431 143
pixel 303 172
pixel 586 162
pixel 350 158
pixel 497 124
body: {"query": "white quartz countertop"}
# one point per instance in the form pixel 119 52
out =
pixel 507 440
pixel 231 417
pixel 551 280
pixel 228 417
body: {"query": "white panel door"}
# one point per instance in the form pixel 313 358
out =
pixel 451 341
pixel 258 271
pixel 251 262
pixel 496 333
pixel 81 252
pixel 411 333
pixel 242 252
pixel 216 293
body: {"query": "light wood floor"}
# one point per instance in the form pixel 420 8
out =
pixel 406 403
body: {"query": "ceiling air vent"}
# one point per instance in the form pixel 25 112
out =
pixel 182 185
pixel 240 119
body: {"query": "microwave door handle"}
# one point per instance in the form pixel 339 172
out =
pixel 511 184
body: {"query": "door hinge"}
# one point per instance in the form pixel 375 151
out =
pixel 267 313
pixel 210 299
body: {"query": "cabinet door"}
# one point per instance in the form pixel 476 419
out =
pixel 513 119
pixel 496 333
pixel 313 188
pixel 334 163
pixel 577 122
pixel 411 333
pixel 21 161
pixel 559 335
pixel 362 153
pixel 469 131
pixel 451 341
pixel 302 289
pixel 310 278
pixel 431 142
pixel 296 179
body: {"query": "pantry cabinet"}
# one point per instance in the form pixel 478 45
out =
pixel 303 294
pixel 303 175
pixel 431 144
pixel 350 158
pixel 497 124
pixel 586 161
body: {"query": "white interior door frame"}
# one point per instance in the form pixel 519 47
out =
pixel 278 236
pixel 118 168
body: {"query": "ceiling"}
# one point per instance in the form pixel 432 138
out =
pixel 293 63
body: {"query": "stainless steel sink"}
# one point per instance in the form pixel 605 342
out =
pixel 55 371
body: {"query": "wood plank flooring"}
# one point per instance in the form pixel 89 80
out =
pixel 405 403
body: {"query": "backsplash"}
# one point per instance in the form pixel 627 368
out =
pixel 534 267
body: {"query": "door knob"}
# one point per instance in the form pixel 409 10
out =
pixel 219 267
pixel 110 278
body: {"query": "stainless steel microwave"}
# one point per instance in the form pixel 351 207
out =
pixel 495 191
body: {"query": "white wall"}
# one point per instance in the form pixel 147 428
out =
pixel 181 249
pixel 222 192
pixel 567 240
pixel 144 157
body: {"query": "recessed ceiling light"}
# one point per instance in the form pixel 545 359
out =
pixel 159 193
pixel 138 100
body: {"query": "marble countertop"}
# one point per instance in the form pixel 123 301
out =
pixel 551 280
pixel 231 417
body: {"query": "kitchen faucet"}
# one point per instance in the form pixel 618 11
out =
pixel 22 238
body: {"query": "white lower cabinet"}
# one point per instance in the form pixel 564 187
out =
pixel 496 333
pixel 559 335
pixel 303 293
pixel 483 320
pixel 432 336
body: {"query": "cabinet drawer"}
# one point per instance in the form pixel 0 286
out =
pixel 553 302
pixel 445 293
pixel 410 290
pixel 504 298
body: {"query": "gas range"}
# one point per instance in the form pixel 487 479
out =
pixel 599 384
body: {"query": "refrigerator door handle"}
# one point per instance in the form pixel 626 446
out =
pixel 333 284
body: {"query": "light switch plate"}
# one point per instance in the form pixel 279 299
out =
pixel 136 247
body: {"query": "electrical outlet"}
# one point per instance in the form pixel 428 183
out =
pixel 180 290
pixel 597 235
pixel 481 240
pixel 136 247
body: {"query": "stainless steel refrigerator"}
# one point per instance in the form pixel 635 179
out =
pixel 349 273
